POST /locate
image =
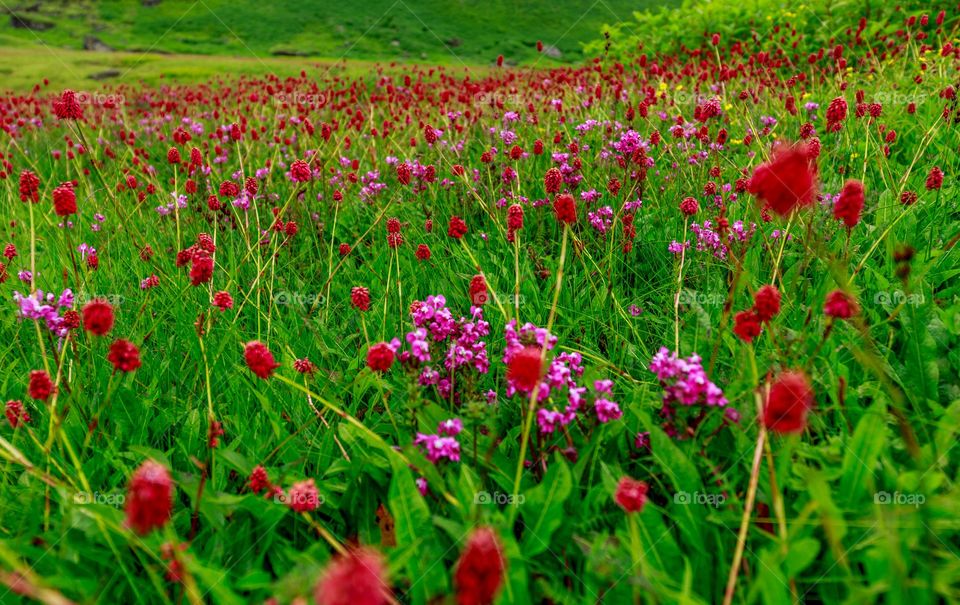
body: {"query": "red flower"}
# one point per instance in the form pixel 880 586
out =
pixel 303 497
pixel 173 155
pixel 525 368
pixel 223 300
pixel 552 180
pixel 515 217
pixel 850 204
pixel 16 414
pixel 840 305
pixel 124 355
pixel 304 366
pixel 259 359
pixel 746 325
pixel 631 494
pixel 766 302
pixel 149 498
pixel 836 114
pixel 67 107
pixel 380 357
pixel 258 480
pixel 64 199
pixel 787 182
pixel 934 179
pixel 300 171
pixel 360 298
pixel 478 291
pixel 40 387
pixel 356 578
pixel 344 249
pixel 479 572
pixel 404 172
pixel 457 227
pixel 423 252
pixel 98 317
pixel 788 402
pixel 565 209
pixel 29 187
pixel 201 268
pixel 689 206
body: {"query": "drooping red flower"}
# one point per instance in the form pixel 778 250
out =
pixel 64 199
pixel 849 204
pixel 300 171
pixel 515 217
pixel 766 302
pixel 552 180
pixel 98 317
pixel 934 179
pixel 746 325
pixel 356 578
pixel 787 182
pixel 303 497
pixel 525 368
pixel 840 305
pixel 124 355
pixel 360 298
pixel 457 227
pixel 16 414
pixel 480 570
pixel 789 401
pixel 259 359
pixel 149 498
pixel 40 387
pixel 380 357
pixel 478 291
pixel 29 187
pixel 631 495
pixel 67 106
pixel 565 209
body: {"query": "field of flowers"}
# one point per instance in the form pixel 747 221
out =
pixel 667 327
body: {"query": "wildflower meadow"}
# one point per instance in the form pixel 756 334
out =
pixel 676 321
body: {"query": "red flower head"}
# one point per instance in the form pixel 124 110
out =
pixel 404 172
pixel 552 180
pixel 840 305
pixel 631 494
pixel 746 325
pixel 201 268
pixel 850 204
pixel 788 402
pixel 16 414
pixel 457 227
pixel 525 368
pixel 423 252
pixel 98 317
pixel 67 107
pixel 304 366
pixel 787 182
pixel 29 187
pixel 259 359
pixel 258 480
pixel 360 298
pixel 356 578
pixel 124 355
pixel 303 497
pixel 934 179
pixel 515 217
pixel 40 386
pixel 149 498
pixel 380 357
pixel 478 291
pixel 222 300
pixel 344 249
pixel 173 155
pixel 565 209
pixel 300 171
pixel 479 572
pixel 64 199
pixel 766 302
pixel 836 114
pixel 689 206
